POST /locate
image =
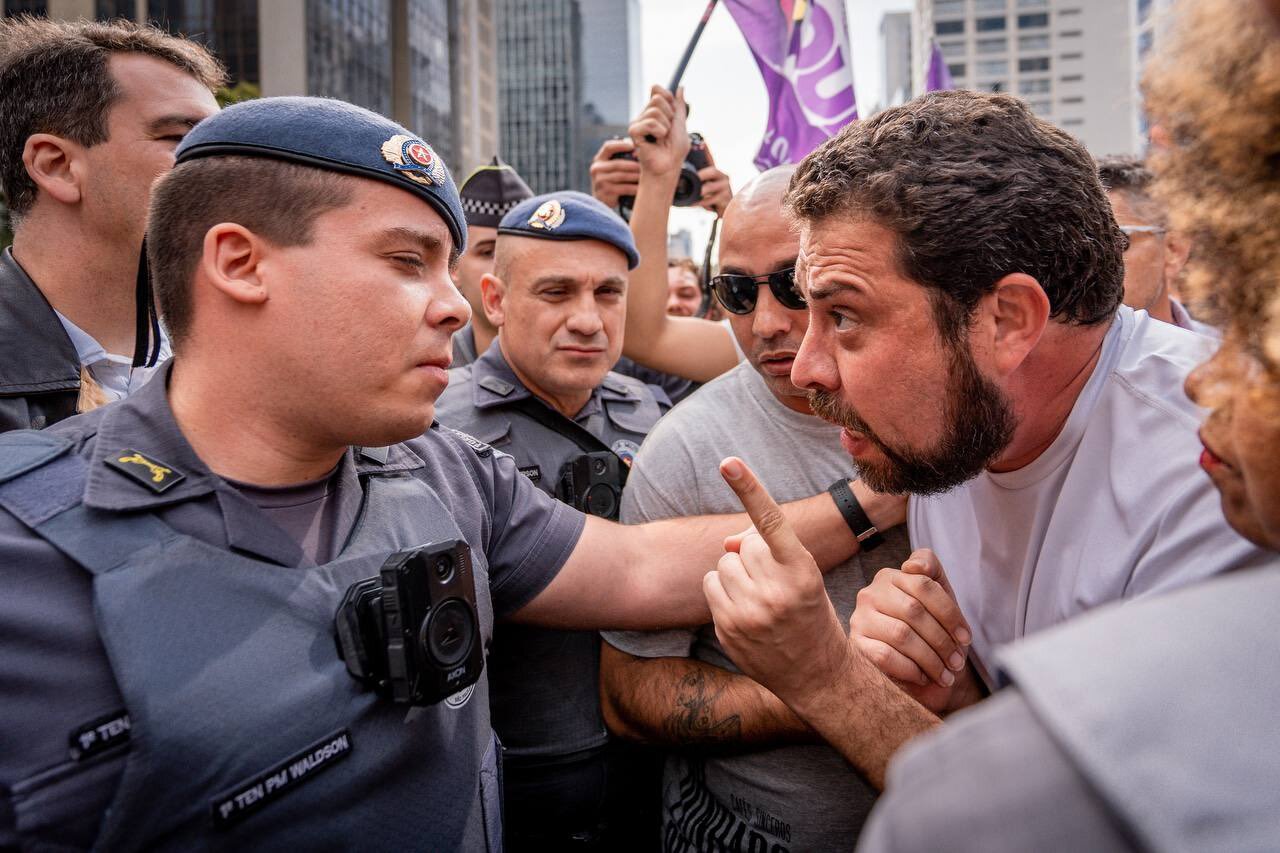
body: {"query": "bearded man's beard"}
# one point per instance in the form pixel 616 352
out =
pixel 978 426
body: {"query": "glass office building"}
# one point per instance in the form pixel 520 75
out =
pixel 540 90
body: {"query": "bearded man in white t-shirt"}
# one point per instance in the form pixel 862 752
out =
pixel 964 275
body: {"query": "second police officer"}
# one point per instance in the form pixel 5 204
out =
pixel 544 393
pixel 487 195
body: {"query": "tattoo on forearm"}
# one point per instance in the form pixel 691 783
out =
pixel 694 718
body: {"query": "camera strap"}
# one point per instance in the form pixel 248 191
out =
pixel 556 422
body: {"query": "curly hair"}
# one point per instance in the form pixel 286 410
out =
pixel 976 187
pixel 54 78
pixel 1213 91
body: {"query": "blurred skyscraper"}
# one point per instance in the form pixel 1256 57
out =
pixel 540 91
pixel 895 49
pixel 429 64
pixel 473 48
pixel 610 70
pixel 1075 62
pixel 568 71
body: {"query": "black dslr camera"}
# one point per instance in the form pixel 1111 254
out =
pixel 592 483
pixel 413 633
pixel 689 188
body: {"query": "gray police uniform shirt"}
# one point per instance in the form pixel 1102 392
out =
pixel 60 687
pixel 464 346
pixel 790 797
pixel 544 684
pixel 1149 725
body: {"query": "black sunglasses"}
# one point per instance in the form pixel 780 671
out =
pixel 737 293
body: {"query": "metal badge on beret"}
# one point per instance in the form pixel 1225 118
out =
pixel 548 217
pixel 414 159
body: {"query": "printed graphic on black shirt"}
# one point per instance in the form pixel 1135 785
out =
pixel 699 823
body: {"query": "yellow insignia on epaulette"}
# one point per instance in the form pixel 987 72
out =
pixel 152 473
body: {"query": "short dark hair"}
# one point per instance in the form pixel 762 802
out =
pixel 1121 173
pixel 274 199
pixel 975 187
pixel 54 78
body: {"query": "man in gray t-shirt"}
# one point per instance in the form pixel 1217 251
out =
pixel 767 782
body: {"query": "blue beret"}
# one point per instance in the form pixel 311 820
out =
pixel 330 134
pixel 570 215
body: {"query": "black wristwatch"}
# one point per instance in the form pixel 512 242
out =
pixel 855 516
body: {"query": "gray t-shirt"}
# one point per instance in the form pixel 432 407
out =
pixel 306 512
pixel 790 797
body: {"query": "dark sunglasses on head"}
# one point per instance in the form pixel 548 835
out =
pixel 737 293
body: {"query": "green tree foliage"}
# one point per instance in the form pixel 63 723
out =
pixel 241 91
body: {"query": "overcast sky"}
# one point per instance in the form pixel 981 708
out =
pixel 723 86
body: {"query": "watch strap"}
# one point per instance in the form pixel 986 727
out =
pixel 855 516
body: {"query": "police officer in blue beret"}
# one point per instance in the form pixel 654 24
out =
pixel 488 194
pixel 544 393
pixel 182 569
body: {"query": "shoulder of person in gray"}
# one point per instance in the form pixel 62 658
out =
pixel 1139 726
pixel 39 368
pixel 153 587
pixel 809 797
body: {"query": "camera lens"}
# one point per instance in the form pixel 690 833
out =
pixel 689 187
pixel 602 500
pixel 443 566
pixel 598 467
pixel 449 632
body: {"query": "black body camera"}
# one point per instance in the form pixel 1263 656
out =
pixel 592 483
pixel 688 189
pixel 413 633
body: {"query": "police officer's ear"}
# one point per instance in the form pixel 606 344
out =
pixel 493 295
pixel 57 166
pixel 232 262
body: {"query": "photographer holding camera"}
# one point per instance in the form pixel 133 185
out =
pixel 544 393
pixel 680 346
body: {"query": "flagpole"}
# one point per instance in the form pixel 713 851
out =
pixel 688 50
pixel 688 53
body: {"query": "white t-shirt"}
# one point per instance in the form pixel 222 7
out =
pixel 1115 508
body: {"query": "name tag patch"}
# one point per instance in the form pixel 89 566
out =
pixel 533 472
pixel 99 736
pixel 231 807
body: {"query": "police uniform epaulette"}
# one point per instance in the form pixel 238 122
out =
pixel 25 450
pixel 482 450
pixel 570 215
pixel 617 384
pixel 499 386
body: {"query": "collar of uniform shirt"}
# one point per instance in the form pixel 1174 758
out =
pixel 115 373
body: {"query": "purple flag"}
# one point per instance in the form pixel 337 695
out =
pixel 938 77
pixel 802 50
